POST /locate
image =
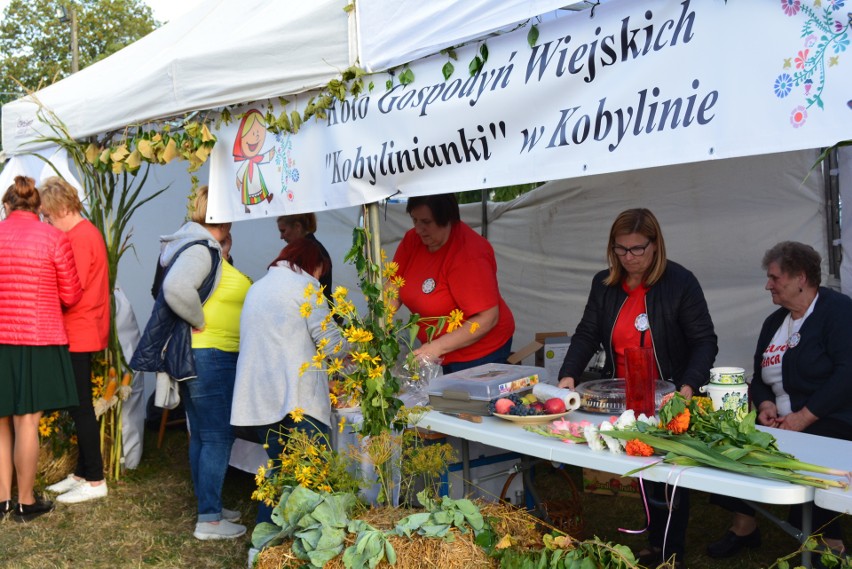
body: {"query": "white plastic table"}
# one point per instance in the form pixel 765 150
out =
pixel 819 450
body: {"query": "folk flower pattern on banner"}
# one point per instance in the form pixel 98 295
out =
pixel 825 37
pixel 286 164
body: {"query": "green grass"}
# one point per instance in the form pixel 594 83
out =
pixel 148 518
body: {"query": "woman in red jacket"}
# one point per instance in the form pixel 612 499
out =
pixel 87 324
pixel 37 278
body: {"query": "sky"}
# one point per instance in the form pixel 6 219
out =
pixel 164 10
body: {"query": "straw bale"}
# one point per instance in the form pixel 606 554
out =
pixel 419 552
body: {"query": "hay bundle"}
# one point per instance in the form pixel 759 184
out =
pixel 417 552
pixel 53 467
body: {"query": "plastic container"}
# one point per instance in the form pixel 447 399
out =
pixel 733 397
pixel 471 390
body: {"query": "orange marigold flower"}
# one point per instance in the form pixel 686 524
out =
pixel 636 447
pixel 679 424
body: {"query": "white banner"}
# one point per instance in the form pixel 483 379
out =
pixel 637 85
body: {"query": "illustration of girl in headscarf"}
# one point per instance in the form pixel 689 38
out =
pixel 247 149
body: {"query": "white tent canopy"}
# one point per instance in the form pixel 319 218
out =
pixel 227 52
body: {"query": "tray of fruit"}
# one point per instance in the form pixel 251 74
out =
pixel 527 409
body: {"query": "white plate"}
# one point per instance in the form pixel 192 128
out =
pixel 531 419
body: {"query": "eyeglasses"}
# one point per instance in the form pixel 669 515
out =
pixel 636 250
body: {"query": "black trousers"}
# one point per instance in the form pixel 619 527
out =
pixel 90 464
pixel 824 521
pixel 675 539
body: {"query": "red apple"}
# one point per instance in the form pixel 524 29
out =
pixel 538 406
pixel 554 405
pixel 502 406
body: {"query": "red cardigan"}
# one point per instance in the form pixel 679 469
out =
pixel 37 278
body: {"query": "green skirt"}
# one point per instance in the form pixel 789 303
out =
pixel 35 378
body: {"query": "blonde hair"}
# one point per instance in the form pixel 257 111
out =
pixel 643 222
pixel 57 195
pixel 198 208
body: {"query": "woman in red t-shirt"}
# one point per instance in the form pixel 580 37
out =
pixel 447 266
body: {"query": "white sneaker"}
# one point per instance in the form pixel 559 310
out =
pixel 223 530
pixel 65 485
pixel 83 493
pixel 230 515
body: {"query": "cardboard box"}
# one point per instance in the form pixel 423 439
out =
pixel 609 484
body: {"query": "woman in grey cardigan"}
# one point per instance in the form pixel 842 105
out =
pixel 276 340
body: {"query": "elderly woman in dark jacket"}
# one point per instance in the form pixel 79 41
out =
pixel 644 299
pixel 802 370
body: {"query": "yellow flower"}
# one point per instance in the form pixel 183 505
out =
pixel 337 347
pixel 335 366
pixel 474 326
pixel 376 371
pixel 320 296
pixel 361 357
pixel 333 398
pixel 390 270
pixel 339 294
pixel 303 368
pixel 358 335
pixel 305 309
pixel 309 290
pixel 455 319
pixel 318 360
pixel 398 281
pixel 382 255
pixel 341 424
pixel 323 343
pixel 297 415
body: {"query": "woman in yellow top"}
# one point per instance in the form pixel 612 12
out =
pixel 193 257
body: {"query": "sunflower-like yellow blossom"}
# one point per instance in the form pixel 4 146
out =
pixel 360 357
pixel 297 414
pixel 474 326
pixel 303 368
pixel 260 476
pixel 335 366
pixel 455 319
pixel 337 347
pixel 341 424
pixel 376 371
pixel 382 255
pixel 310 290
pixel 376 360
pixel 333 399
pixel 318 360
pixel 398 281
pixel 321 345
pixel 390 270
pixel 306 309
pixel 320 296
pixel 392 293
pixel 339 293
pixel 358 335
pixel 344 308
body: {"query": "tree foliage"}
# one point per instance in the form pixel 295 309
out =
pixel 35 46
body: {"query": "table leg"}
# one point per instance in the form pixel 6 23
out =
pixel 807 528
pixel 465 467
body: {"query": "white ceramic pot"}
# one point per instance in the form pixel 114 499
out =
pixel 728 396
pixel 728 375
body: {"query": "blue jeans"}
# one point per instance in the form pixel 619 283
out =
pixel 498 356
pixel 274 449
pixel 207 399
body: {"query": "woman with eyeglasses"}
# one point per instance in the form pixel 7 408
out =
pixel 644 299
